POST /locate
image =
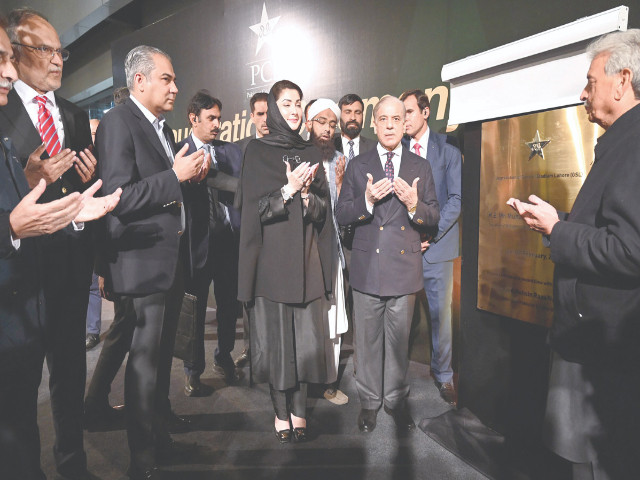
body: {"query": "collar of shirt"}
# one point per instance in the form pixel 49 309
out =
pixel 199 144
pixel 27 96
pixel 424 143
pixel 382 153
pixel 345 144
pixel 155 121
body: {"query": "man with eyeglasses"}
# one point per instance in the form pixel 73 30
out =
pixel 322 119
pixel 52 138
pixel 389 194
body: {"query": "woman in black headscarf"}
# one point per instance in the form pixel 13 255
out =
pixel 285 259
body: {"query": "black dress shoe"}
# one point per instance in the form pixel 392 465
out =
pixel 92 340
pixel 177 424
pixel 447 392
pixel 283 436
pixel 401 417
pixel 226 370
pixel 192 385
pixel 300 434
pixel 242 359
pixel 367 420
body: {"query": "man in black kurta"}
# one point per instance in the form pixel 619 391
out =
pixel 593 405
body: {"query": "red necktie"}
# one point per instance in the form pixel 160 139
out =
pixel 416 148
pixel 47 128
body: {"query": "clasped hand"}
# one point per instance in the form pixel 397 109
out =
pixel 301 178
pixel 192 167
pixel 407 194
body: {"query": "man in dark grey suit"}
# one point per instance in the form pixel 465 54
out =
pixel 593 401
pixel 442 244
pixel 145 253
pixel 389 194
pixel 214 237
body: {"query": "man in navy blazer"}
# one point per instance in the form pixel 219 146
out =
pixel 389 194
pixel 442 244
pixel 214 237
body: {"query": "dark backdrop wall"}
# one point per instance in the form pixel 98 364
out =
pixel 329 47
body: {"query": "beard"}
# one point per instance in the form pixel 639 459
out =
pixel 327 147
pixel 351 129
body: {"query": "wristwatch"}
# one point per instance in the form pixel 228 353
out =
pixel 413 209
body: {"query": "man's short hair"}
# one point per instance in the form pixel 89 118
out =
pixel 17 17
pixel 624 52
pixel 421 98
pixel 258 97
pixel 203 100
pixel 140 60
pixel 350 98
pixel 387 99
pixel 120 95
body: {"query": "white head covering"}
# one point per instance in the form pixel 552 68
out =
pixel 320 105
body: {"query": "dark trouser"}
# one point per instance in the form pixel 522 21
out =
pixel 19 435
pixel 148 371
pixel 222 268
pixel 66 313
pixel 382 342
pixel 289 401
pixel 115 347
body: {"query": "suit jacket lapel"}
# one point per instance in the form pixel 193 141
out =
pixel 13 164
pixel 148 129
pixel 68 123
pixel 24 134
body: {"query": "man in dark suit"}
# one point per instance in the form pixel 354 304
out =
pixel 145 252
pixel 34 115
pixel 22 304
pixel 348 140
pixel 214 237
pixel 258 105
pixel 442 245
pixel 593 402
pixel 389 194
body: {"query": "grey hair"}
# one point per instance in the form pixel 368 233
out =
pixel 140 60
pixel 624 52
pixel 17 17
pixel 387 99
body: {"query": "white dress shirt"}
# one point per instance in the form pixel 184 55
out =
pixel 346 146
pixel 28 96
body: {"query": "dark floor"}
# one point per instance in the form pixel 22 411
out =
pixel 233 430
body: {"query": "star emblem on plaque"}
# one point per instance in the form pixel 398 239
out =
pixel 536 146
pixel 264 29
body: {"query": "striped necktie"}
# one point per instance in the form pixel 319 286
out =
pixel 47 128
pixel 351 152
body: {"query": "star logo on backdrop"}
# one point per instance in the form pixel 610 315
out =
pixel 264 29
pixel 536 145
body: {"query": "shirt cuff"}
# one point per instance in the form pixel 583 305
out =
pixel 369 207
pixel 16 242
pixel 78 227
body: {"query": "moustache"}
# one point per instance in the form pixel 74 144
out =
pixel 6 84
pixel 215 131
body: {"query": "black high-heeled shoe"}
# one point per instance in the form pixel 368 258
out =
pixel 300 434
pixel 283 436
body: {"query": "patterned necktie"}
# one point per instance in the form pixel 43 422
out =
pixel 416 148
pixel 351 152
pixel 47 128
pixel 388 167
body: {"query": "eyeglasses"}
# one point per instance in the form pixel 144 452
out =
pixel 324 121
pixel 44 51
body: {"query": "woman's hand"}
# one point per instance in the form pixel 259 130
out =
pixel 297 178
pixel 309 180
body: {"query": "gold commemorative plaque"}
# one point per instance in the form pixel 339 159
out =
pixel 546 154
